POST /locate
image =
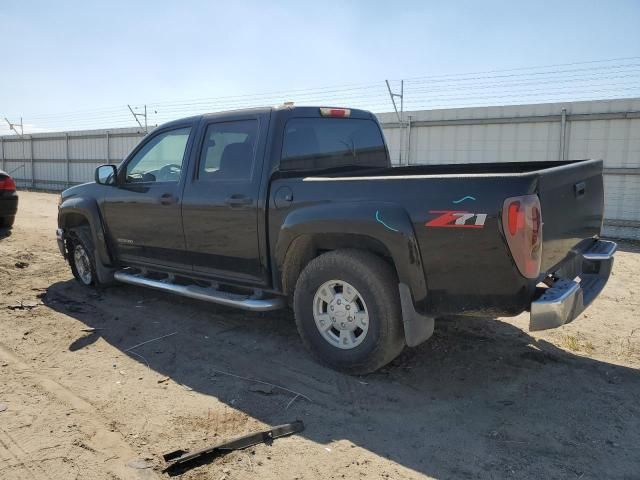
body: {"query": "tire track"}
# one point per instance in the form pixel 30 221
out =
pixel 102 440
pixel 11 451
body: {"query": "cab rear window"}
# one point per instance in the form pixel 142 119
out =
pixel 322 143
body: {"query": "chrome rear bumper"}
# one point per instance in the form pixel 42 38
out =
pixel 569 297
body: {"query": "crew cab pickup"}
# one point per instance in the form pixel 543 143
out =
pixel 261 208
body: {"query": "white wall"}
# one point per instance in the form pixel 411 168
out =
pixel 609 130
pixel 62 159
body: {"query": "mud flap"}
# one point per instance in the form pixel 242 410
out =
pixel 417 327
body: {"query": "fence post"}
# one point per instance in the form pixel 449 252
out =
pixel 67 158
pixel 107 156
pixel 563 134
pixel 33 170
pixel 408 155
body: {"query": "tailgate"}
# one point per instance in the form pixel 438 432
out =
pixel 572 201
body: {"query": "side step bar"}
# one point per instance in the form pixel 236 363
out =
pixel 210 294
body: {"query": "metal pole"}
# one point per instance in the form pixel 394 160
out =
pixel 33 170
pixel 406 161
pixel 408 140
pixel 12 126
pixel 108 156
pixel 135 116
pixel 393 100
pixel 4 166
pixel 146 130
pixel 563 134
pixel 24 157
pixel 401 100
pixel 67 158
pixel 398 114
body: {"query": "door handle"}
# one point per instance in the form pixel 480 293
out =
pixel 167 199
pixel 238 200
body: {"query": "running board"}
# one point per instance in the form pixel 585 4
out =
pixel 210 294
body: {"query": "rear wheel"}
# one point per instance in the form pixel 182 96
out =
pixel 348 312
pixel 81 259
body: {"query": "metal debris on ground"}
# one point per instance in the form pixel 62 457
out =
pixel 23 306
pixel 149 341
pixel 297 394
pixel 181 460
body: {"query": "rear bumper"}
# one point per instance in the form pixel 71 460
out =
pixel 575 288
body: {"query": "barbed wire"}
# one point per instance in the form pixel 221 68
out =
pixel 589 80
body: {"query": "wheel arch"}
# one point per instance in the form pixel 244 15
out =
pixel 306 247
pixel 382 228
pixel 76 212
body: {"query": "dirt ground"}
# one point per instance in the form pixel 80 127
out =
pixel 482 399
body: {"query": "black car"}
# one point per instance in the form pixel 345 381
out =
pixel 8 200
pixel 263 207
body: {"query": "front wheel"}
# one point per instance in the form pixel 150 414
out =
pixel 347 310
pixel 81 259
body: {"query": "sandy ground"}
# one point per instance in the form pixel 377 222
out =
pixel 482 399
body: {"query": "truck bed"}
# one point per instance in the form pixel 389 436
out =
pixel 569 216
pixel 495 168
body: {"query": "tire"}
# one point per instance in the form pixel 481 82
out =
pixel 81 256
pixel 7 222
pixel 371 285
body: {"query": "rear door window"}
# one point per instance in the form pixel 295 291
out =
pixel 320 143
pixel 228 151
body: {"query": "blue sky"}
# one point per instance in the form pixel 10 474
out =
pixel 71 56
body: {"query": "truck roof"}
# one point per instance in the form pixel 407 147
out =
pixel 303 111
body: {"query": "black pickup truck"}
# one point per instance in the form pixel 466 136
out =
pixel 262 208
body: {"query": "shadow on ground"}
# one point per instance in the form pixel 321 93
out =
pixel 480 399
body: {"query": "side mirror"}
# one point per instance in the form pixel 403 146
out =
pixel 106 175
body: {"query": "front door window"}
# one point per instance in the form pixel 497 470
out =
pixel 160 159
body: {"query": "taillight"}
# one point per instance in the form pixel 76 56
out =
pixel 335 112
pixel 522 222
pixel 516 217
pixel 7 184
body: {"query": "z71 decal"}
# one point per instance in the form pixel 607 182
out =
pixel 457 219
